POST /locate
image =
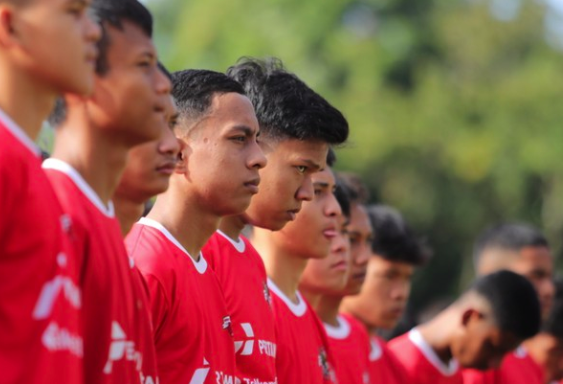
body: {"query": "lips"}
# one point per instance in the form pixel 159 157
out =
pixel 292 214
pixel 167 168
pixel 340 265
pixel 252 185
pixel 330 232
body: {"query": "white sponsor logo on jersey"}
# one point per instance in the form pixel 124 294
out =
pixel 200 374
pixel 122 349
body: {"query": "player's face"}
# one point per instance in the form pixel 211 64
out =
pixel 329 275
pixel 286 182
pixel 54 40
pixel 548 353
pixel 222 156
pixel 131 97
pixel 360 233
pixel 311 233
pixel 480 344
pixel 150 165
pixel 536 264
pixel 384 294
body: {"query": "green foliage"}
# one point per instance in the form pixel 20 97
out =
pixel 454 113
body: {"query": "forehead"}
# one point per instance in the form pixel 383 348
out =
pixel 377 262
pixel 232 106
pixel 359 219
pixel 533 258
pixel 306 150
pixel 128 41
pixel 325 177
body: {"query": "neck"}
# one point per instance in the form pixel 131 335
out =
pixel 189 222
pixel 438 333
pixel 326 306
pixel 128 212
pixel 98 156
pixel 24 99
pixel 232 226
pixel 283 268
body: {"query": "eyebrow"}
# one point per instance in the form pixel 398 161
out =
pixel 321 184
pixel 245 129
pixel 312 165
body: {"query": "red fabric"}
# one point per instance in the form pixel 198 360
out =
pixel 303 353
pixel 384 367
pixel 117 332
pixel 192 329
pixel 242 276
pixel 418 368
pixel 40 339
pixel 350 351
pixel 516 368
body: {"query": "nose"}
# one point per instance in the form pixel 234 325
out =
pixel 163 85
pixel 306 190
pixel 257 158
pixel 169 144
pixel 93 31
pixel 332 208
pixel 363 254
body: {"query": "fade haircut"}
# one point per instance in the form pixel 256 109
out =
pixel 108 13
pixel 285 106
pixel 194 89
pixel 514 302
pixel 554 323
pixel 508 237
pixel 359 193
pixel 393 238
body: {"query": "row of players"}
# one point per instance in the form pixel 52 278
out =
pixel 191 299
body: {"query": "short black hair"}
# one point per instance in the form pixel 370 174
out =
pixel 514 302
pixel 509 237
pixel 553 325
pixel 342 195
pixel 114 13
pixel 331 158
pixel 359 193
pixel 393 238
pixel 285 106
pixel 193 90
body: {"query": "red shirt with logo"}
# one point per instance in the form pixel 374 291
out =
pixel 242 276
pixel 516 368
pixel 40 338
pixel 422 365
pixel 303 353
pixel 349 344
pixel 116 326
pixel 192 328
pixel 383 365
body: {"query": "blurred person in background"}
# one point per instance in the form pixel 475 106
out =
pixel 523 249
pixel 395 252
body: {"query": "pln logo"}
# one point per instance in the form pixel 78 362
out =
pixel 245 347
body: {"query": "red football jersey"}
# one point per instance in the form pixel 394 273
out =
pixel 192 328
pixel 349 343
pixel 383 365
pixel 242 275
pixel 516 368
pixel 422 365
pixel 40 338
pixel 303 353
pixel 115 318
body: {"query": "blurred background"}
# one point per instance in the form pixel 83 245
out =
pixel 453 104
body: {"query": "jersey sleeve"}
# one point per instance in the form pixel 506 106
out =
pixel 159 303
pixel 473 376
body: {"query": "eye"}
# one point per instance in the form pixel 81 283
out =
pixel 302 169
pixel 239 139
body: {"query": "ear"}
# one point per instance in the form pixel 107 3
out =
pixel 183 156
pixel 468 315
pixel 8 35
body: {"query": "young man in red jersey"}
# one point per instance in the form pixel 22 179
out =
pixel 93 137
pixel 303 353
pixel 294 141
pixel 216 175
pixel 148 170
pixel 40 333
pixel 476 331
pixel 379 304
pixel 322 284
pixel 522 249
